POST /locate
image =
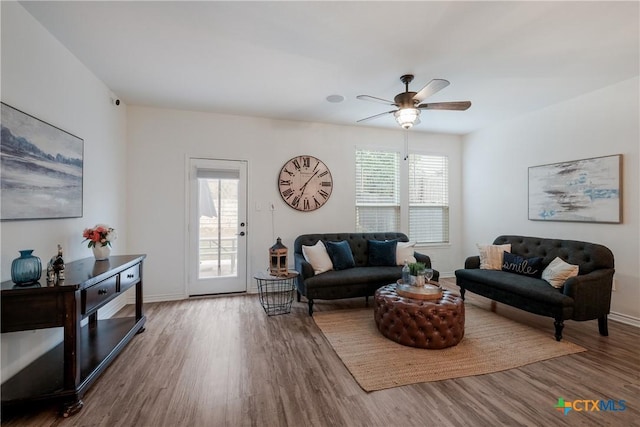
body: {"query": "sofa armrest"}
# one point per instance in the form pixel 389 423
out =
pixel 304 269
pixel 591 293
pixel 425 259
pixel 472 262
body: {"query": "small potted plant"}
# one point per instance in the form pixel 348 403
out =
pixel 414 267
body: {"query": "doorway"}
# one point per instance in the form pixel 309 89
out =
pixel 217 226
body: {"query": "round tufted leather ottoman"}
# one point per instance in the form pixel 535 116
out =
pixel 419 323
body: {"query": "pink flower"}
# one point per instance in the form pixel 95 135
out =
pixel 102 234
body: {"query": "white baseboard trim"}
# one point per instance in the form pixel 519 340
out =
pixel 172 297
pixel 626 319
pixel 112 308
pixel 158 298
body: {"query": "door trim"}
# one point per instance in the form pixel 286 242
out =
pixel 188 270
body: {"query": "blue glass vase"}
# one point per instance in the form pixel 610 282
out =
pixel 26 269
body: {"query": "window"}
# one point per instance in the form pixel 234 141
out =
pixel 429 198
pixel 377 191
pixel 378 201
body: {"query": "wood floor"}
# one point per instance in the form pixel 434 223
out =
pixel 222 362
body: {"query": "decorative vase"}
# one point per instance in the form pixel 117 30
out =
pixel 26 269
pixel 101 252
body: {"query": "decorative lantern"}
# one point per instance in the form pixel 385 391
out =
pixel 278 259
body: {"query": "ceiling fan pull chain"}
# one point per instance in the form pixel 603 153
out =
pixel 406 144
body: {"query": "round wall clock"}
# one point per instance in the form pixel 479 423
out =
pixel 305 183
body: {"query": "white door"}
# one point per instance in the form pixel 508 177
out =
pixel 217 226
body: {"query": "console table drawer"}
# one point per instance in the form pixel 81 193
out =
pixel 98 294
pixel 129 277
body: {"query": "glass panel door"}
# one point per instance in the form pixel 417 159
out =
pixel 218 235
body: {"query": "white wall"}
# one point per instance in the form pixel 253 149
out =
pixel 496 162
pixel 41 77
pixel 160 140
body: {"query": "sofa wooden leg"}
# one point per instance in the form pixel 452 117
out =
pixel 366 301
pixel 462 291
pixel 310 307
pixel 559 324
pixel 603 326
pixel 298 297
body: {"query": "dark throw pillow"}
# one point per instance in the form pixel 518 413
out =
pixel 382 253
pixel 340 254
pixel 531 267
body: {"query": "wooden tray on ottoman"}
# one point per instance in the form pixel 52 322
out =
pixel 427 292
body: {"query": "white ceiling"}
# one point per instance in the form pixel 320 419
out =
pixel 282 59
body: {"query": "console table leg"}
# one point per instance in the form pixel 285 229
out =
pixel 72 408
pixel 93 320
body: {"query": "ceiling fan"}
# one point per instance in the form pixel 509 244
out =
pixel 409 103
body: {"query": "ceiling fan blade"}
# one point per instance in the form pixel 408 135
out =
pixel 456 105
pixel 375 99
pixel 376 116
pixel 435 85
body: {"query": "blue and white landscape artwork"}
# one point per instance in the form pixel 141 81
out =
pixel 582 190
pixel 41 169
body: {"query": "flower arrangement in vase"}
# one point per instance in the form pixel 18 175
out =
pixel 100 238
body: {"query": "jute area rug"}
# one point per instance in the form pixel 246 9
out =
pixel 491 343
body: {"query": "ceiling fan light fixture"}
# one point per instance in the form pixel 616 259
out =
pixel 406 117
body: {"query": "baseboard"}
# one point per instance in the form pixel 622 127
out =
pixel 172 297
pixel 626 319
pixel 158 298
pixel 112 308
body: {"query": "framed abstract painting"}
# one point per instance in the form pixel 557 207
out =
pixel 587 190
pixel 41 169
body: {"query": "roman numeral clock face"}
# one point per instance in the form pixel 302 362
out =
pixel 305 183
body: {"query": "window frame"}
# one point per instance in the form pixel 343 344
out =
pixel 403 179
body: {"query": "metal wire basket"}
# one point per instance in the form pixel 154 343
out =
pixel 276 293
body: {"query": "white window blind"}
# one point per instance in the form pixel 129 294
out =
pixel 377 191
pixel 428 198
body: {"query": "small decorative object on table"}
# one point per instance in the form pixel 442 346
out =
pixel 415 267
pixel 55 268
pixel 428 275
pixel 278 259
pixel 27 269
pixel 406 274
pixel 100 238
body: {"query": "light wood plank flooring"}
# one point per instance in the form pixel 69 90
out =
pixel 220 361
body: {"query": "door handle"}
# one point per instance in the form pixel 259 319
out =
pixel 241 233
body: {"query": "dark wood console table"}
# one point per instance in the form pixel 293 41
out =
pixel 64 373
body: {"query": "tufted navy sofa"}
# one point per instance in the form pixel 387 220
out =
pixel 584 297
pixel 360 281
